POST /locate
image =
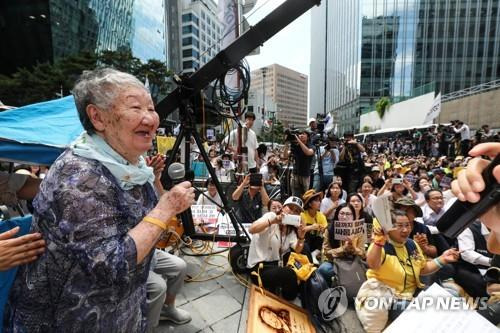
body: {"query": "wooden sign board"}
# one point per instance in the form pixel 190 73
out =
pixel 267 313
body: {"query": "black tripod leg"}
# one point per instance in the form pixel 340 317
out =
pixel 215 180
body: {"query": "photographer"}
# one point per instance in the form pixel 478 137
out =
pixel 249 201
pixel 303 153
pixel 272 242
pixel 351 163
pixel 329 155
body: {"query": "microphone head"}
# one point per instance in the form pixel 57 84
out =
pixel 176 171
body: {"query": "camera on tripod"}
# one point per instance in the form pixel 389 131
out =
pixel 319 137
pixel 290 134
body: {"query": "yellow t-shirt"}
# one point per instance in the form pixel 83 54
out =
pixel 319 218
pixel 392 273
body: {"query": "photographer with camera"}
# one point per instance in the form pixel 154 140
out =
pixel 329 155
pixel 250 196
pixel 274 236
pixel 302 152
pixel 351 166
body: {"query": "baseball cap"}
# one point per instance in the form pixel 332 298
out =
pixel 294 201
pixel 376 168
pixel 410 203
pixel 311 120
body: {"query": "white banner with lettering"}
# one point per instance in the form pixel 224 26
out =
pixel 434 111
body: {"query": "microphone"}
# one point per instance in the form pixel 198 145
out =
pixel 462 214
pixel 176 173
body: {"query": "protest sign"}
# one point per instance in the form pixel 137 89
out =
pixel 344 230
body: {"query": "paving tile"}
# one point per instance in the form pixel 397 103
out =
pixel 197 324
pixel 216 306
pixel 228 325
pixel 194 290
pixel 350 321
pixel 229 282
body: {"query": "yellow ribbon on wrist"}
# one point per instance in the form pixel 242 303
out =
pixel 156 222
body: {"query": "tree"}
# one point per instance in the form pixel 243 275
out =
pixel 274 134
pixel 382 105
pixel 45 81
pixel 366 129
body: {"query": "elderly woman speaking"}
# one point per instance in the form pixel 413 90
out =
pixel 100 216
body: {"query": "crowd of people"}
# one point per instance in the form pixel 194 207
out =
pixel 91 264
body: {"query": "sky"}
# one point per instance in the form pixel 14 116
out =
pixel 290 47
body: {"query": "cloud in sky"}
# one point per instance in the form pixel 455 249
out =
pixel 290 47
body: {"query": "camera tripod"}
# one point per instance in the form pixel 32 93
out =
pixel 186 131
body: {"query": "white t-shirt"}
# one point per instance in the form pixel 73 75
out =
pixel 371 199
pixel 202 200
pixel 251 144
pixel 326 204
pixel 265 246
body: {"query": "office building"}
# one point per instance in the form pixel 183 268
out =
pixel 283 88
pixel 44 31
pixel 201 33
pixel 367 49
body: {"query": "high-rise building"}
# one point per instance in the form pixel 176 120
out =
pixel 363 50
pixel 45 30
pixel 173 17
pixel 287 90
pixel 201 33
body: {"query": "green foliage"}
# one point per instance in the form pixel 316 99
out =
pixel 382 105
pixel 366 129
pixel 275 135
pixel 45 81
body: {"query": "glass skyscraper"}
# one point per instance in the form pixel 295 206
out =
pixel 38 31
pixel 398 49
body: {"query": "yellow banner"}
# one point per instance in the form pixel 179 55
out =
pixel 164 143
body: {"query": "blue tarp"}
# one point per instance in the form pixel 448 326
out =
pixel 38 133
pixel 7 277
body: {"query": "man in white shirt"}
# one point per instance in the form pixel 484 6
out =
pixel 464 131
pixel 475 259
pixel 248 140
pixel 433 209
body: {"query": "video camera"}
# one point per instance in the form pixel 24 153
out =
pixel 290 134
pixel 319 137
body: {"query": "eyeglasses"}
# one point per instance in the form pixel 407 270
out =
pixel 436 198
pixel 345 214
pixel 401 226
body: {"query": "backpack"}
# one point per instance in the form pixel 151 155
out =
pixel 310 294
pixel 350 273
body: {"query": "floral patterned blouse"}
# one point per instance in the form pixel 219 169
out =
pixel 88 280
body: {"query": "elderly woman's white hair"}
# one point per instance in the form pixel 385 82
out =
pixel 100 87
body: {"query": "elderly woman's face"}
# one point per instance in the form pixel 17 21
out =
pixel 130 125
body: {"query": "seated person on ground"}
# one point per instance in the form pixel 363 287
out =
pixel 315 222
pixel 333 248
pixel 396 264
pixel 271 244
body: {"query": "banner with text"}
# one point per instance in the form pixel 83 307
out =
pixel 344 230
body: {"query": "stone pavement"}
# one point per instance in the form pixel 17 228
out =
pixel 220 304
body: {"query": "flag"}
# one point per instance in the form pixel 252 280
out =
pixel 434 111
pixel 227 15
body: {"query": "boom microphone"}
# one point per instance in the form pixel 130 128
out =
pixel 461 214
